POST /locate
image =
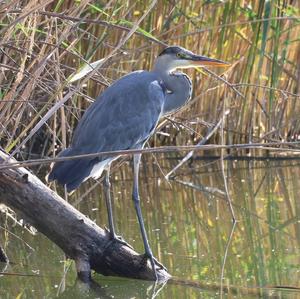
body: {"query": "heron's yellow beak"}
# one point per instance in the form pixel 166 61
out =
pixel 198 60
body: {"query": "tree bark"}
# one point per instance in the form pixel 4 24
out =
pixel 79 237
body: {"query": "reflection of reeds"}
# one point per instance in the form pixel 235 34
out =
pixel 189 225
pixel 194 225
pixel 42 45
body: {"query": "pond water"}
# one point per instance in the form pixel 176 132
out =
pixel 189 226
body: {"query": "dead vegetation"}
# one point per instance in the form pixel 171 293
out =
pixel 44 43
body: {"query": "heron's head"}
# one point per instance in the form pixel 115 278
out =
pixel 175 57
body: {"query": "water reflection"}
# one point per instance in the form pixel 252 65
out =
pixel 113 288
pixel 188 223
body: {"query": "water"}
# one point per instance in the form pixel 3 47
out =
pixel 188 229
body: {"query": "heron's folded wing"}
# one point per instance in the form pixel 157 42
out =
pixel 123 117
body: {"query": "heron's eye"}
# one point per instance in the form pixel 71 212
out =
pixel 181 55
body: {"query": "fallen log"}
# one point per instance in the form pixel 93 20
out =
pixel 79 237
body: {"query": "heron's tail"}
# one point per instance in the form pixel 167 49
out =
pixel 70 173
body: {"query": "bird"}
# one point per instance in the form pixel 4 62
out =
pixel 124 116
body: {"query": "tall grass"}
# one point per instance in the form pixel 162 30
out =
pixel 43 44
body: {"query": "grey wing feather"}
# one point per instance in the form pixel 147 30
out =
pixel 123 117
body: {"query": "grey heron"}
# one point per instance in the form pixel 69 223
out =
pixel 124 117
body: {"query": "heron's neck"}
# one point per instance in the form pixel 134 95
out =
pixel 179 88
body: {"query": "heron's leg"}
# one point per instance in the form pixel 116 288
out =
pixel 106 184
pixel 136 200
pixel 111 225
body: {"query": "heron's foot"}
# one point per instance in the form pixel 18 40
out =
pixel 116 238
pixel 154 262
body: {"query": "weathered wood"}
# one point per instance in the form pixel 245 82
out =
pixel 79 237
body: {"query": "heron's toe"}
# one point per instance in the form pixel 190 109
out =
pixel 116 238
pixel 122 241
pixel 156 262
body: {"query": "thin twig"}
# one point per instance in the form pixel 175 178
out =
pixel 284 92
pixel 225 81
pixel 17 237
pixel 201 188
pixel 222 164
pixel 225 258
pixel 228 199
pixel 81 20
pixel 162 149
pixel 191 153
pixel 248 22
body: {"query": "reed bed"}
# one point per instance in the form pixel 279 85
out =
pixel 42 44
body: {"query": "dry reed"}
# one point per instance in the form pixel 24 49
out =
pixel 43 44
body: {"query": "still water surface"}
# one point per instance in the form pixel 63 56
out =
pixel 188 229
